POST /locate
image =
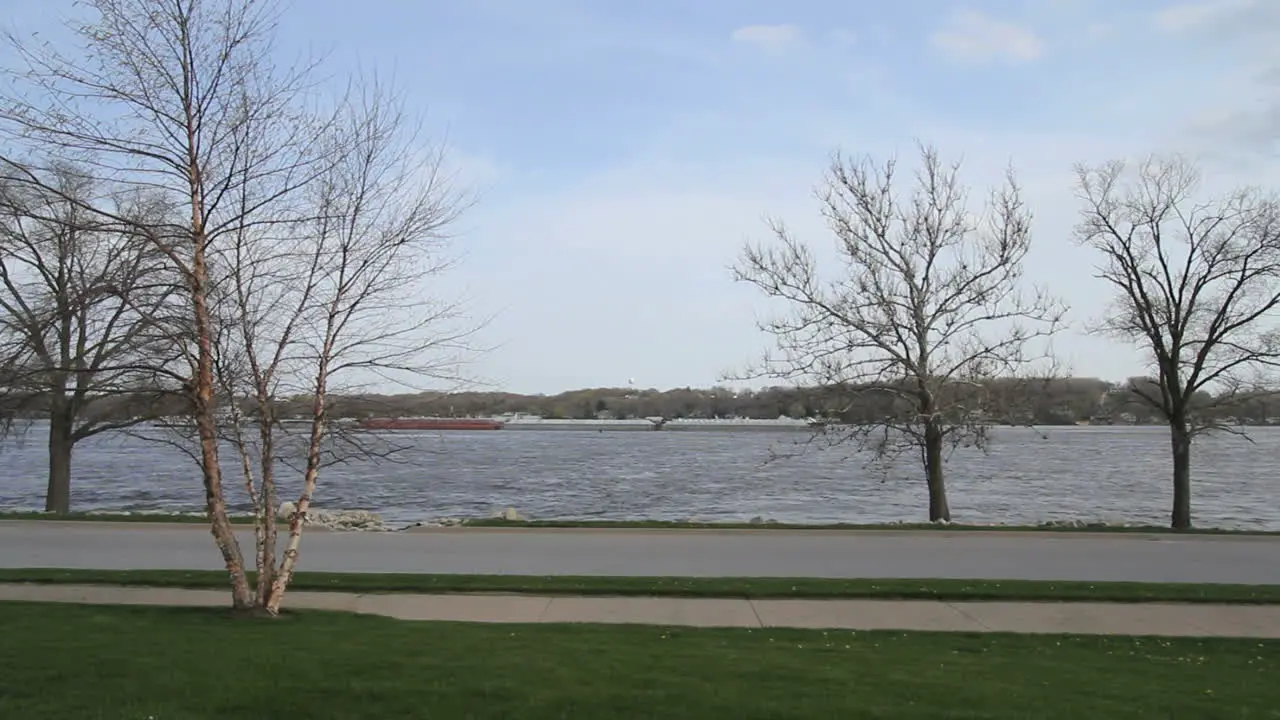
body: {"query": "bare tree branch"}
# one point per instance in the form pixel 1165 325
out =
pixel 924 312
pixel 178 99
pixel 338 288
pixel 70 330
pixel 1196 283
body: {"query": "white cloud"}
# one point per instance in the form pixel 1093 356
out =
pixel 1195 15
pixel 974 37
pixel 1239 114
pixel 624 274
pixel 473 170
pixel 768 37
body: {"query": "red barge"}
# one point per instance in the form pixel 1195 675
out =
pixel 418 423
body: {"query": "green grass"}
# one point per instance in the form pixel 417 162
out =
pixel 1009 590
pixel 117 663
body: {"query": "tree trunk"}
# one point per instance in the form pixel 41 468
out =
pixel 319 420
pixel 1180 436
pixel 215 500
pixel 203 394
pixel 939 509
pixel 57 498
pixel 270 501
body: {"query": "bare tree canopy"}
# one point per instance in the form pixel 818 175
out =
pixel 924 310
pixel 73 293
pixel 298 241
pixel 166 95
pixel 340 297
pixel 1196 282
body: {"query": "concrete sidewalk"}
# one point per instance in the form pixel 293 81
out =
pixel 1192 620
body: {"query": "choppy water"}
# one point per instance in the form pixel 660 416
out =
pixel 1075 473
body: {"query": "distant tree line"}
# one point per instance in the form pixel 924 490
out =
pixel 1056 401
pixel 1010 401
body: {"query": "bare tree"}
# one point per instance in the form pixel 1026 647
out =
pixel 165 95
pixel 339 297
pixel 923 312
pixel 306 250
pixel 1196 282
pixel 70 291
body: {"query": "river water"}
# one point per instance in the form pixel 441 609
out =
pixel 1110 474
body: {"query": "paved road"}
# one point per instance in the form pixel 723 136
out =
pixel 1258 621
pixel 877 554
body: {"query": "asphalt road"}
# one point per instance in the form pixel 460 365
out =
pixel 779 553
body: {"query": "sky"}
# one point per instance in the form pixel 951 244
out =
pixel 622 152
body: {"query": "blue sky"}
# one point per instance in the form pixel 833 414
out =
pixel 624 151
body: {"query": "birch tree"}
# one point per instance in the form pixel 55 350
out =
pixel 922 309
pixel 158 95
pixel 1196 282
pixel 181 98
pixel 340 295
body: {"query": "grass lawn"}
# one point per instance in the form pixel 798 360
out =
pixel 69 661
pixel 1026 590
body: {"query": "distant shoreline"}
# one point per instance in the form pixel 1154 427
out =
pixel 108 517
pixel 675 425
pixel 710 425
